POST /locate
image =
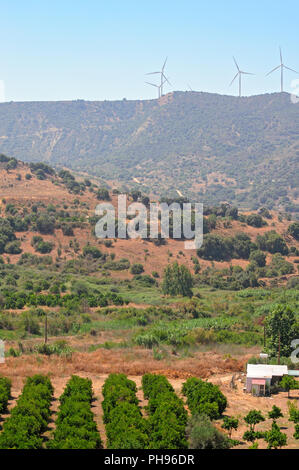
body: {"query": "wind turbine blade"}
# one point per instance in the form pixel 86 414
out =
pixel 166 79
pixel 248 73
pixel 290 69
pixel 164 64
pixel 236 64
pixel 152 73
pixel 153 84
pixel 280 55
pixel 276 68
pixel 234 79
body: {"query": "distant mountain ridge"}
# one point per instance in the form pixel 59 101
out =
pixel 209 147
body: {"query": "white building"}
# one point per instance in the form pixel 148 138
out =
pixel 261 376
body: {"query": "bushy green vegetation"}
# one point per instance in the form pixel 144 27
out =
pixel 271 241
pixel 255 220
pixel 30 417
pixel 125 426
pixel 275 438
pixel 204 398
pixel 40 245
pixel 293 230
pixel 203 435
pixel 103 194
pixel 218 248
pixel 75 425
pixel 18 300
pixel 137 268
pixel 5 395
pixel 167 415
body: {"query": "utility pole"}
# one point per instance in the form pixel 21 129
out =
pixel 264 336
pixel 278 358
pixel 46 328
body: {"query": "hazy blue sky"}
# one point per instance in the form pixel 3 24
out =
pixel 69 49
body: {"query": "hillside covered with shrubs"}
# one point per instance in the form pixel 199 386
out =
pixel 210 147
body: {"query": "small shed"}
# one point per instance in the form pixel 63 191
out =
pixel 259 377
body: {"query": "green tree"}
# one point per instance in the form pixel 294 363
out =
pixel 275 413
pixel 293 230
pixel 272 242
pixel 251 436
pixel 288 383
pixel 229 424
pixel 103 194
pixel 137 268
pixel 13 248
pixel 275 438
pixel 177 280
pixel 259 257
pixel 293 412
pixel 253 418
pixel 281 330
pixel 255 220
pixel 92 251
pixel 45 224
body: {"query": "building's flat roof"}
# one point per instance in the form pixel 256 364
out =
pixel 265 370
pixel 295 373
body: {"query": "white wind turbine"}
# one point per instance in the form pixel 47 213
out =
pixel 163 78
pixel 281 66
pixel 239 73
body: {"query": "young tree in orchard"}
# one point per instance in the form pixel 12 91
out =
pixel 288 383
pixel 293 412
pixel 275 413
pixel 275 438
pixel 281 329
pixel 177 280
pixel 253 418
pixel 294 416
pixel 251 436
pixel 229 424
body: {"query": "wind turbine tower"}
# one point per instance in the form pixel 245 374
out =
pixel 239 74
pixel 157 86
pixel 281 66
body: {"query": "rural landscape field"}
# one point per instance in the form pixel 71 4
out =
pixel 76 305
pixel 149 231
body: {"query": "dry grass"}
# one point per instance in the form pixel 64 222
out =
pixel 129 361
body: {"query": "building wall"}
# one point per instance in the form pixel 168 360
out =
pixel 249 383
